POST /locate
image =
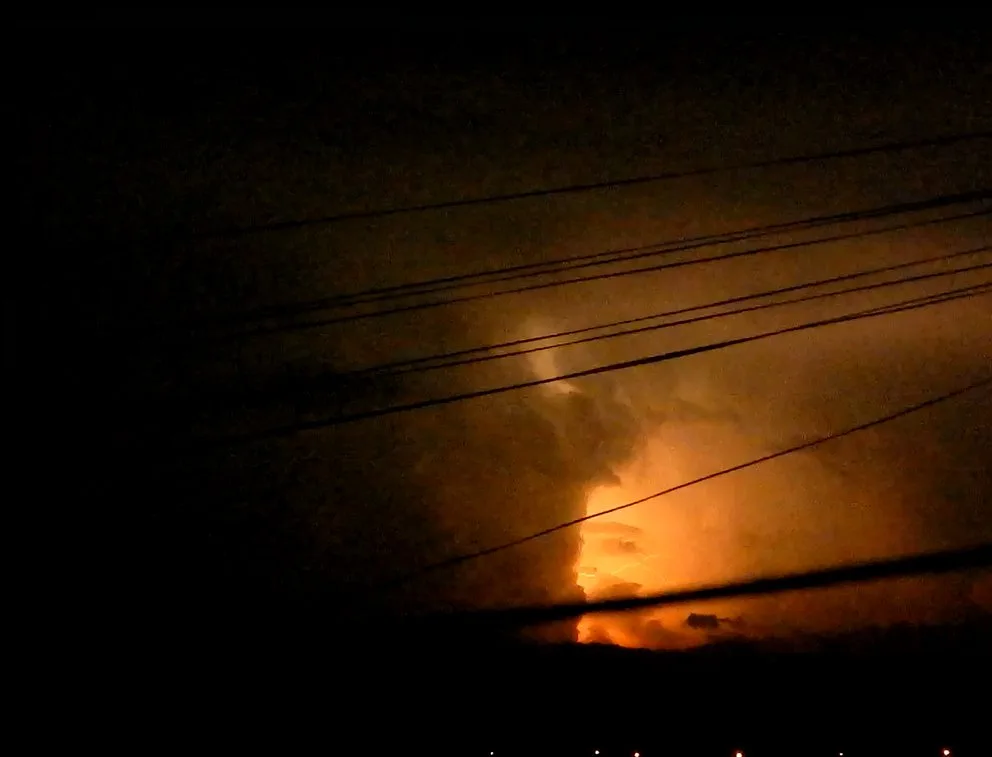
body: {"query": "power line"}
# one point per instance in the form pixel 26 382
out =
pixel 696 319
pixel 699 319
pixel 297 326
pixel 934 563
pixel 604 257
pixel 889 147
pixel 314 425
pixel 975 289
pixel 328 380
pixel 478 554
pixel 462 357
pixel 607 257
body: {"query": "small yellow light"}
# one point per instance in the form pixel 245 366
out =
pixel 947 752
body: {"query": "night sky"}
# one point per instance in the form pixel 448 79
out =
pixel 147 152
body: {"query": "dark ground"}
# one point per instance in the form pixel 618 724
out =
pixel 905 691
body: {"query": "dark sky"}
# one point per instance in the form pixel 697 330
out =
pixel 138 138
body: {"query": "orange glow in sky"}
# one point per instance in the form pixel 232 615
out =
pixel 655 546
pixel 766 520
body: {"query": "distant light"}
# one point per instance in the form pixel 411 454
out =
pixel 947 752
pixel 637 754
pixel 739 754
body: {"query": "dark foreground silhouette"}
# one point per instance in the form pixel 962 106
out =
pixel 903 691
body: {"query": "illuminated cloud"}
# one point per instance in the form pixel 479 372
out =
pixel 347 507
pixel 611 528
pixel 619 547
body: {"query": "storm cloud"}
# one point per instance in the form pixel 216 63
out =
pixel 336 511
